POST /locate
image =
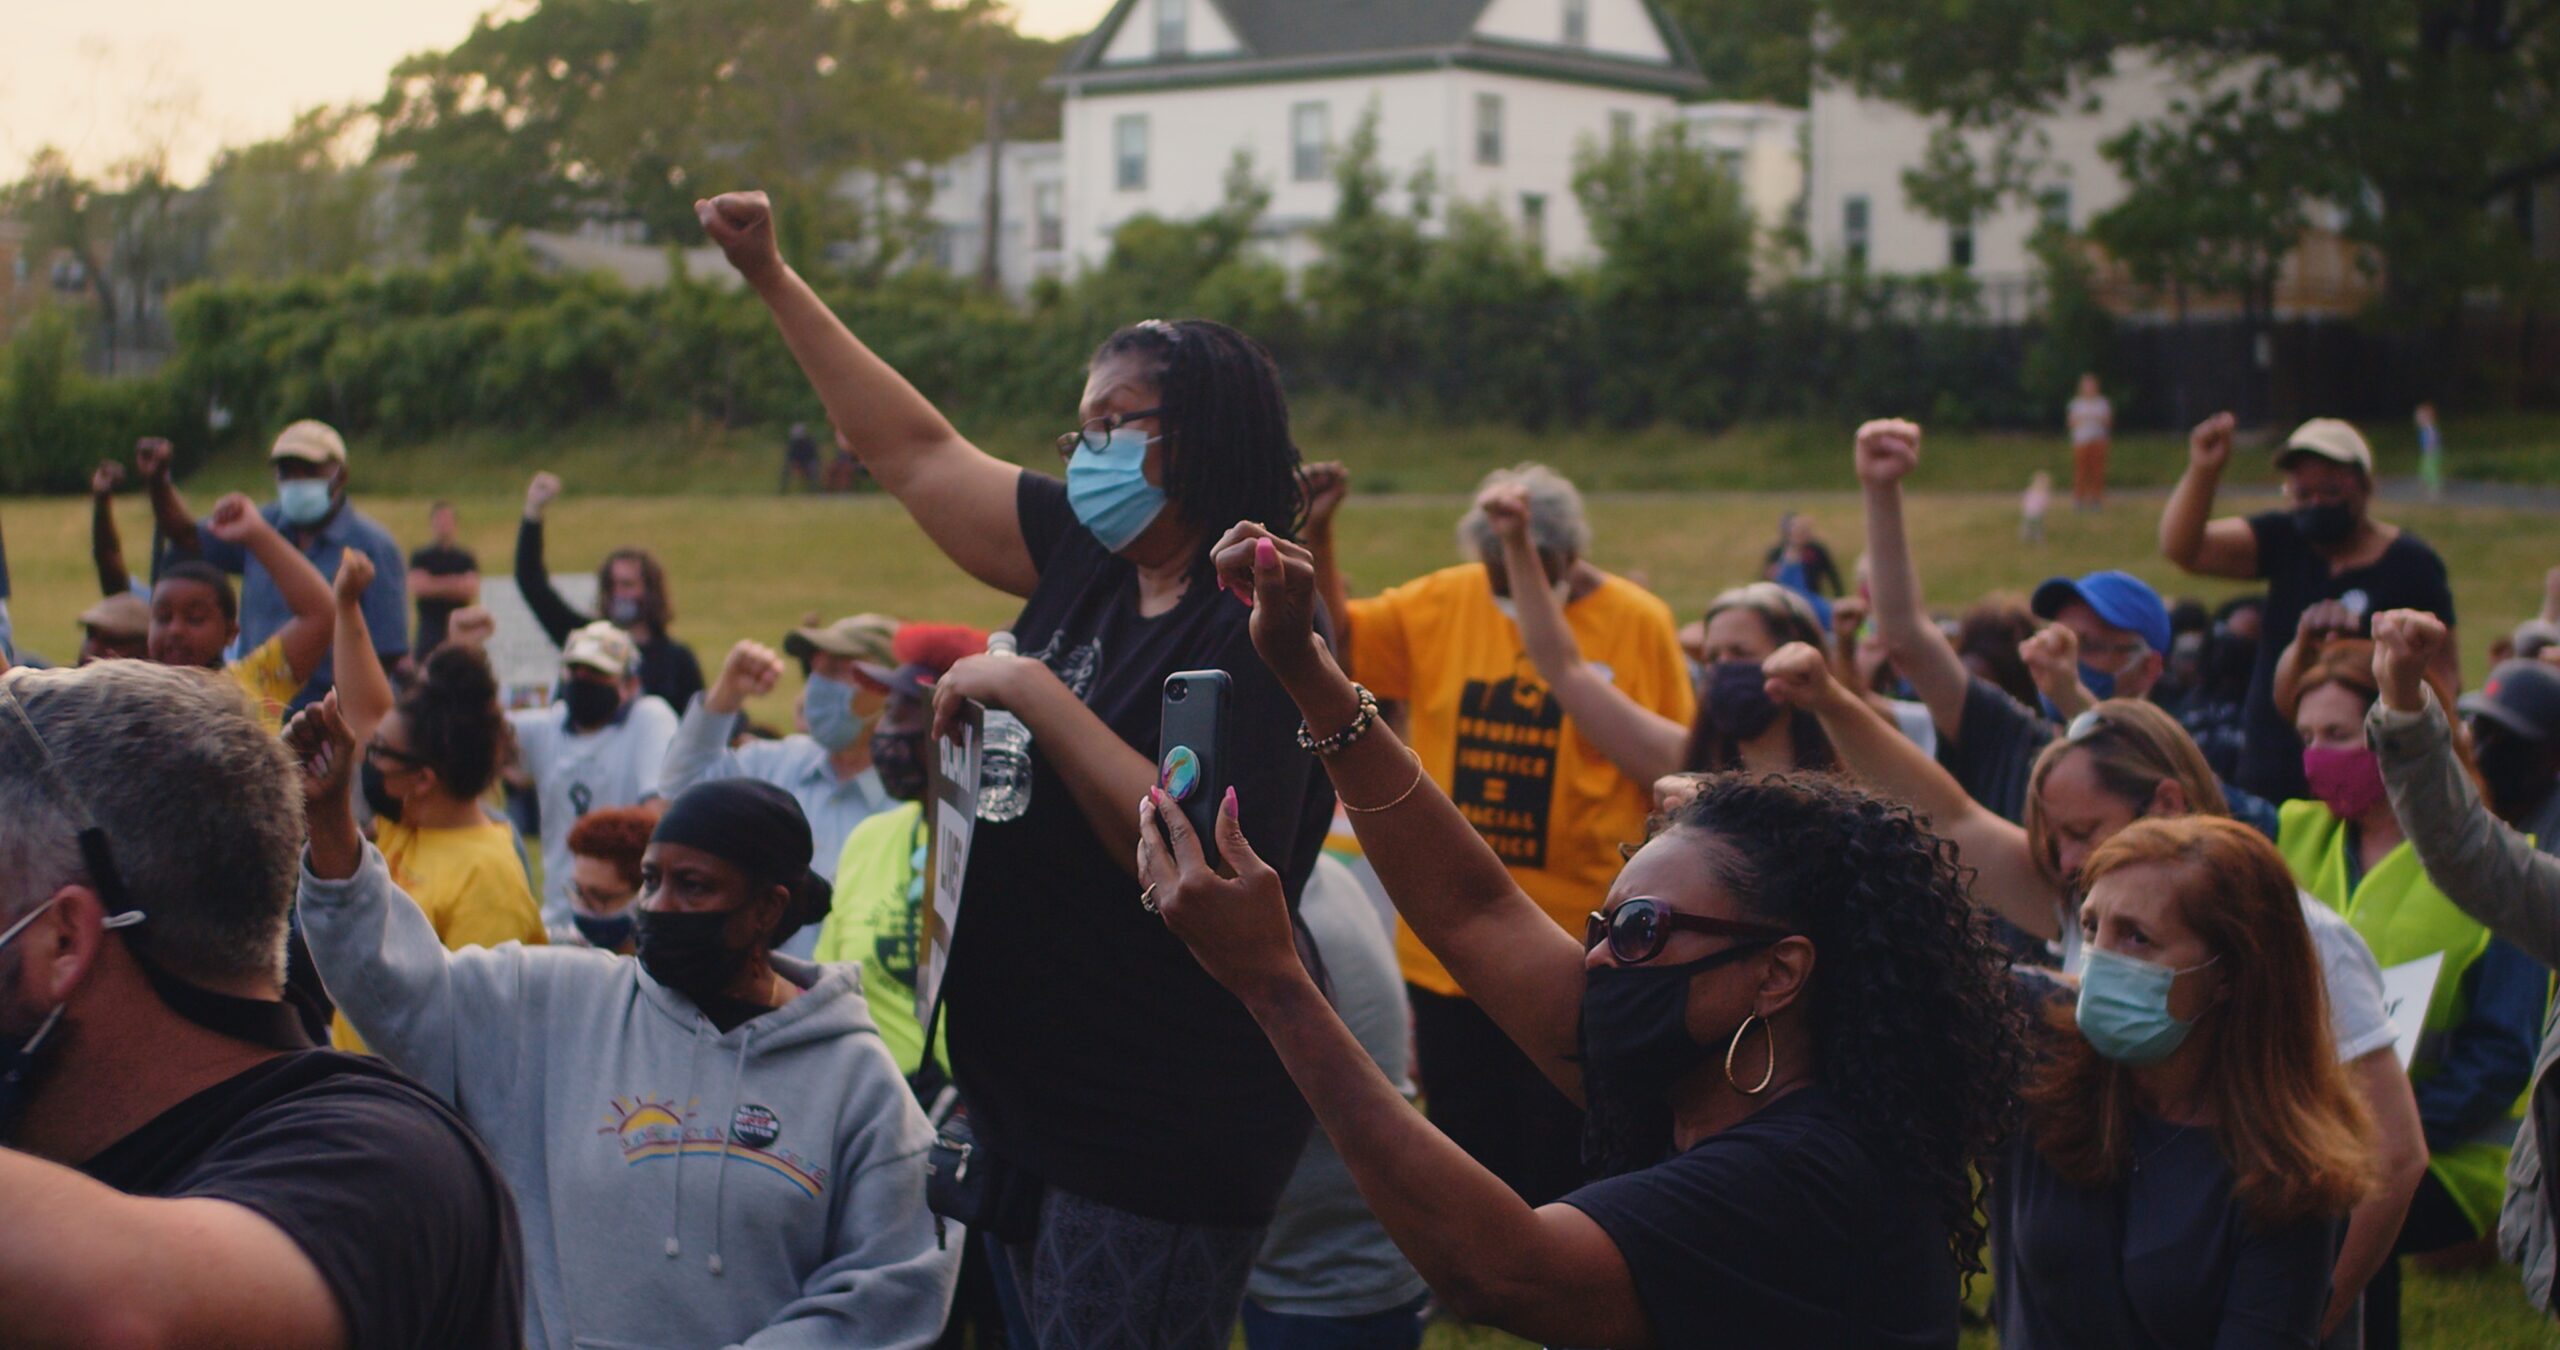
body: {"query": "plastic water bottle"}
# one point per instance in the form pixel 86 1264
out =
pixel 1004 765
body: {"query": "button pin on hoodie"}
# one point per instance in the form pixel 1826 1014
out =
pixel 755 1126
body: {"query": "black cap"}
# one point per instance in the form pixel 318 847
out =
pixel 2521 696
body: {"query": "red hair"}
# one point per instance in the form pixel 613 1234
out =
pixel 616 835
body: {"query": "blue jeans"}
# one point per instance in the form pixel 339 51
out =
pixel 1395 1329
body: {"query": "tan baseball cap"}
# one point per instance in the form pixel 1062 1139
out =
pixel 2331 439
pixel 869 638
pixel 600 647
pixel 122 615
pixel 310 441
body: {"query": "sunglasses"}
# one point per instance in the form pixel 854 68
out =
pixel 1640 926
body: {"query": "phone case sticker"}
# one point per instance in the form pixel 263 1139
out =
pixel 1181 774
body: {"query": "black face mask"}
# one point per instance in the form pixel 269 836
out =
pixel 1738 701
pixel 2325 522
pixel 2229 662
pixel 377 794
pixel 591 705
pixel 2517 772
pixel 605 932
pixel 687 952
pixel 1635 1024
pixel 898 757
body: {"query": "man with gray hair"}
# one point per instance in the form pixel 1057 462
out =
pixel 1490 731
pixel 180 1166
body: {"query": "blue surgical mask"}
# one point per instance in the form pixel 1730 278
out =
pixel 305 500
pixel 829 708
pixel 2101 683
pixel 1108 489
pixel 2124 1008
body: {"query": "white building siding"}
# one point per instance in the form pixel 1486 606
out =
pixel 1545 124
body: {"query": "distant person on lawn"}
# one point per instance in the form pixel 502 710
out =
pixel 631 589
pixel 444 576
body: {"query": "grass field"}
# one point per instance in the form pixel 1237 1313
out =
pixel 752 567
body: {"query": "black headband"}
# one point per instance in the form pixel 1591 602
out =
pixel 749 824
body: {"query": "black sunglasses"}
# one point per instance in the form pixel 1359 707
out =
pixel 1096 434
pixel 1639 927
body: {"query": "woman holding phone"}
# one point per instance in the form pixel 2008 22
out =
pixel 1102 1067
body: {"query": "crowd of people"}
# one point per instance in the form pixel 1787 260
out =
pixel 1763 980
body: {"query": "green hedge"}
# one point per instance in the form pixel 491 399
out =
pixel 56 422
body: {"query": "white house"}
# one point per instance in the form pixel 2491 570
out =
pixel 1762 146
pixel 1492 97
pixel 1030 200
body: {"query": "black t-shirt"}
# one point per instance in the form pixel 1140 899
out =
pixel 2164 1258
pixel 1993 753
pixel 438 561
pixel 1093 1050
pixel 383 1188
pixel 1781 1231
pixel 2408 575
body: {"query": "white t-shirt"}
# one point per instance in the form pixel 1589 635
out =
pixel 2089 418
pixel 574 774
pixel 2353 978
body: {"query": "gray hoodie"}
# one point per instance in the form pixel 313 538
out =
pixel 679 1187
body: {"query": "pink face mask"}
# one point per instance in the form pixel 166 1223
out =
pixel 2348 778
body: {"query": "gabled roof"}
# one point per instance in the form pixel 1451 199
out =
pixel 1305 39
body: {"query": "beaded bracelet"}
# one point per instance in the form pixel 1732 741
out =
pixel 1341 740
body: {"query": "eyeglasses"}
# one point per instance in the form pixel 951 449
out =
pixel 1096 434
pixel 1640 926
pixel 377 750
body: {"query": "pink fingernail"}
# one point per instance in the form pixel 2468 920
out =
pixel 1264 553
pixel 1232 808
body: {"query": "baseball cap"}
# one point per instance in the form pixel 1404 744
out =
pixel 2331 439
pixel 2121 599
pixel 2522 696
pixel 925 651
pixel 868 638
pixel 310 441
pixel 122 615
pixel 600 647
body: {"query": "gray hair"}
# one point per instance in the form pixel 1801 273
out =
pixel 200 803
pixel 1556 522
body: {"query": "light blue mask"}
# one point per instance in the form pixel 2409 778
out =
pixel 305 500
pixel 2124 1008
pixel 1108 489
pixel 828 705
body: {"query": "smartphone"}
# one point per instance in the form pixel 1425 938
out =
pixel 1192 748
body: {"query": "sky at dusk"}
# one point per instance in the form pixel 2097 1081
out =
pixel 103 78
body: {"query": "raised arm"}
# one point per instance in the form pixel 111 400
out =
pixel 1887 451
pixel 700 750
pixel 533 574
pixel 961 495
pixel 169 511
pixel 1328 484
pixel 2006 878
pixel 1459 898
pixel 106 544
pixel 1643 743
pixel 364 690
pixel 2189 536
pixel 307 634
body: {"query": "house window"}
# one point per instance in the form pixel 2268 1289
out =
pixel 1173 27
pixel 2053 208
pixel 1533 219
pixel 1622 127
pixel 1853 230
pixel 1049 217
pixel 1310 142
pixel 1577 23
pixel 1129 141
pixel 1960 246
pixel 1488 128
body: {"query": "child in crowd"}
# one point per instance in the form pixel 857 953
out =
pixel 2032 505
pixel 2430 452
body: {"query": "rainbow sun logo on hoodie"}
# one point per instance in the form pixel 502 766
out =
pixel 649 1129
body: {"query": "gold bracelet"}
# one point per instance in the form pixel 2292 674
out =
pixel 1409 790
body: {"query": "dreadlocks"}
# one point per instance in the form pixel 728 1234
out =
pixel 1228 455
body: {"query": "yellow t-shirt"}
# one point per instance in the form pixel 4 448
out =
pixel 1551 805
pixel 470 883
pixel 267 677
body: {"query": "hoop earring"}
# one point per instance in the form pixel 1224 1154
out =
pixel 1766 1074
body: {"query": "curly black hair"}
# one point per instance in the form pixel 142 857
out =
pixel 1917 1035
pixel 454 722
pixel 1229 455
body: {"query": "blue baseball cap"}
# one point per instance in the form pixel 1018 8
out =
pixel 2121 599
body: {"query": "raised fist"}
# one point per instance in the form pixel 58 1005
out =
pixel 741 223
pixel 1888 450
pixel 235 519
pixel 2052 657
pixel 1506 508
pixel 752 671
pixel 1327 484
pixel 1799 676
pixel 471 626
pixel 539 493
pixel 2405 643
pixel 151 455
pixel 104 479
pixel 355 572
pixel 2209 445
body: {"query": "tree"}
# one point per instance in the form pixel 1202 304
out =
pixel 2412 118
pixel 1751 49
pixel 1671 292
pixel 301 203
pixel 1360 290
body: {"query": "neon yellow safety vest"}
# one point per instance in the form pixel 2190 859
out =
pixel 872 924
pixel 2403 918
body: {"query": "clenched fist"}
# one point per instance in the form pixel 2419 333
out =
pixel 741 223
pixel 1888 450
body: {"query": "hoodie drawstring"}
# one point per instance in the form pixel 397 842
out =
pixel 720 1182
pixel 692 1062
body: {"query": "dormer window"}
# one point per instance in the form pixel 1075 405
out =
pixel 1577 23
pixel 1173 27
